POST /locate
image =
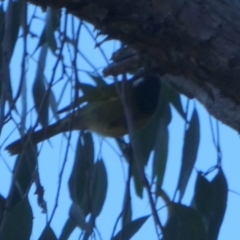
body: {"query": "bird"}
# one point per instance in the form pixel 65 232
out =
pixel 102 113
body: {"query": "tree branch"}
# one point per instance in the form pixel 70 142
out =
pixel 194 43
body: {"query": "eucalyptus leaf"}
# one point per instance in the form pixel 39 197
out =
pixel 52 24
pixel 18 222
pixel 53 104
pixel 48 234
pixel 130 229
pixel 189 153
pixel 146 140
pixel 50 28
pixel 146 137
pixel 204 197
pixel 161 147
pixel 3 202
pixel 81 172
pixel 2 25
pixel 160 155
pixel 17 7
pixel 99 187
pixel 23 173
pixel 127 210
pixel 67 229
pixel 220 186
pixel 78 216
pixel 184 223
pixel 40 96
pixel 174 98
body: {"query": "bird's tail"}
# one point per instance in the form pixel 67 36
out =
pixel 33 138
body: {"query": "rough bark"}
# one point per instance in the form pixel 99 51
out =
pixel 193 44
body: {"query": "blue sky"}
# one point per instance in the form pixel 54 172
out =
pixel 51 157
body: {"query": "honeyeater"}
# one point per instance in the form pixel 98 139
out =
pixel 103 112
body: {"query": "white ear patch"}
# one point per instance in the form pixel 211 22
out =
pixel 138 81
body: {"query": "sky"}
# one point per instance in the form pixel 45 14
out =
pixel 52 155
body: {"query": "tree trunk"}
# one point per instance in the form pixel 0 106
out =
pixel 192 44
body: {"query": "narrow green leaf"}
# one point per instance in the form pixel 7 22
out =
pixel 204 197
pixel 81 173
pixel 184 223
pixel 52 24
pixel 2 207
pixel 174 98
pixel 55 18
pixel 137 180
pixel 161 147
pixel 67 230
pixel 160 156
pixel 146 140
pixel 17 223
pixel 146 137
pixel 42 40
pixel 189 154
pixel 78 216
pixel 130 229
pixel 41 99
pixel 23 172
pixel 127 209
pixel 53 104
pixel 48 234
pixel 16 21
pixel 2 21
pixel 99 187
pixel 219 184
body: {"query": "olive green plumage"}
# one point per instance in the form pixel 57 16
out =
pixel 103 113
